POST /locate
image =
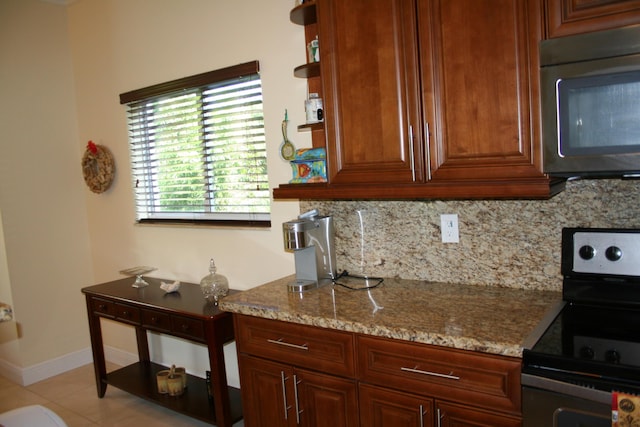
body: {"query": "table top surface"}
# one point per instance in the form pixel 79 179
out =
pixel 188 300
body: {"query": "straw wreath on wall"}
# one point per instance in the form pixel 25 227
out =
pixel 98 167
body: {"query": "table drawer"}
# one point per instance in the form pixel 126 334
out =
pixel 311 347
pixel 127 313
pixel 104 307
pixel 457 375
pixel 187 328
pixel 156 320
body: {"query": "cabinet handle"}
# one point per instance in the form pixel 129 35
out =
pixel 439 417
pixel 284 395
pixel 295 391
pixel 280 342
pixel 431 374
pixel 422 414
pixel 427 140
pixel 411 155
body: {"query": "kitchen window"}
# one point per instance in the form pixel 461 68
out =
pixel 198 149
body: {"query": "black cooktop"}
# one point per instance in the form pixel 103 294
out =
pixel 593 346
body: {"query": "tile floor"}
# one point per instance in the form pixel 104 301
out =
pixel 73 397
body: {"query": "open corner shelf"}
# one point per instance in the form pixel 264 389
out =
pixel 307 71
pixel 304 14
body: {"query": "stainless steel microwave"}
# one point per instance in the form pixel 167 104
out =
pixel 590 89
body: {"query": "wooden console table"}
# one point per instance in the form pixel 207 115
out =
pixel 184 314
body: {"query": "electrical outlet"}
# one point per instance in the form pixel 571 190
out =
pixel 449 228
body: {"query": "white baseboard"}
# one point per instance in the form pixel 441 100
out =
pixel 59 365
pixel 11 372
pixel 62 364
pixel 44 370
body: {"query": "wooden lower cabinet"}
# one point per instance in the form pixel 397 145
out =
pixel 263 392
pixel 326 401
pixel 298 375
pixel 380 407
pixel 452 415
pixel 467 377
pixel 276 394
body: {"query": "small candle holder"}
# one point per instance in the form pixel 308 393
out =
pixel 138 272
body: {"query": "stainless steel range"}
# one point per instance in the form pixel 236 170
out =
pixel 592 347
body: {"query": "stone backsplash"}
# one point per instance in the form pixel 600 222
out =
pixel 511 243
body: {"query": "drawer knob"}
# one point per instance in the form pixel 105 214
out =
pixel 449 376
pixel 286 344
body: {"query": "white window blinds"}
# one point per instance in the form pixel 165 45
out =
pixel 198 149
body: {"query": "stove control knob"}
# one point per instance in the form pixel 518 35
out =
pixel 587 352
pixel 587 252
pixel 612 356
pixel 613 253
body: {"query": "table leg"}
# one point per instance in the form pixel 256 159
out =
pixel 143 344
pixel 216 337
pixel 99 365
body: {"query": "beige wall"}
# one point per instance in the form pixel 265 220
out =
pixel 43 203
pixel 118 46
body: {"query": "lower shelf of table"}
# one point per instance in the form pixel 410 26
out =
pixel 139 379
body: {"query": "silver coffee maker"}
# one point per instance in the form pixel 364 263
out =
pixel 311 239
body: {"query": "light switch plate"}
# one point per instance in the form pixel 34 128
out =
pixel 449 228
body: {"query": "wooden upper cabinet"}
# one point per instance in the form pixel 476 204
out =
pixel 566 17
pixel 480 88
pixel 430 99
pixel 370 79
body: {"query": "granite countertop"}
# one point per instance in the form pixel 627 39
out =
pixel 487 319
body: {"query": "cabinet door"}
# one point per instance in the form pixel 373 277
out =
pixel 381 408
pixel 583 16
pixel 480 88
pixel 462 416
pixel 267 393
pixel 326 401
pixel 369 64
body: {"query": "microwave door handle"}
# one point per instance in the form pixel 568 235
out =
pixel 559 135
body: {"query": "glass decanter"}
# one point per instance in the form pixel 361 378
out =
pixel 214 285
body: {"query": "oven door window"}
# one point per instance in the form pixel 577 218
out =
pixel 599 114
